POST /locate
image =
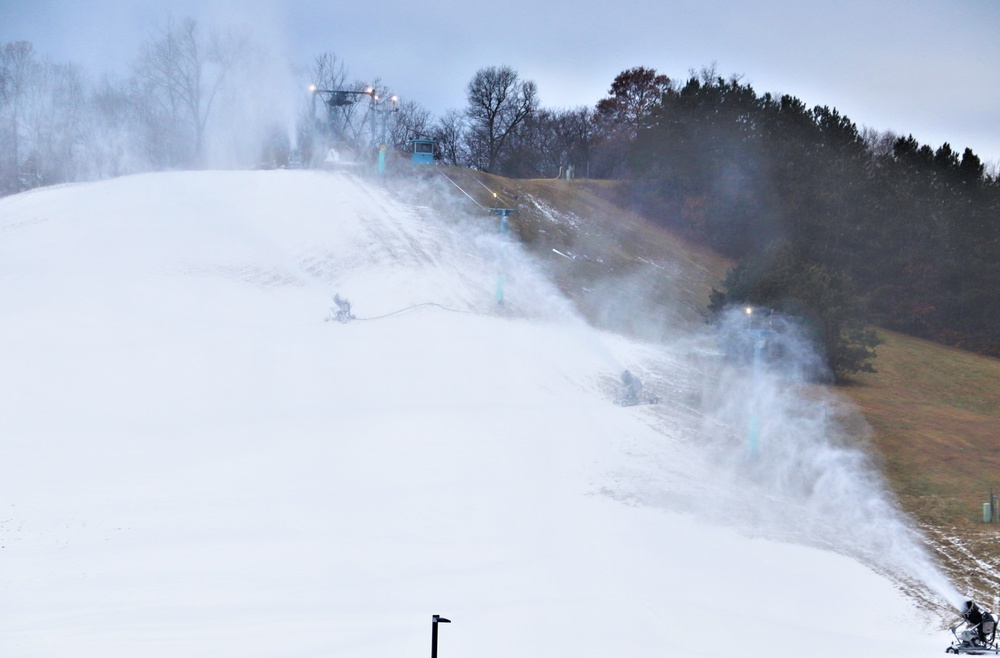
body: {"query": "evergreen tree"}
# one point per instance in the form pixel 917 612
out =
pixel 780 279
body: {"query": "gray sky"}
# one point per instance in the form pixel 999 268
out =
pixel 930 68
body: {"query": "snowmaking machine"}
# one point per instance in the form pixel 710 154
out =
pixel 632 392
pixel 975 634
pixel 341 312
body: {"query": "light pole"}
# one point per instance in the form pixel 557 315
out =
pixel 435 620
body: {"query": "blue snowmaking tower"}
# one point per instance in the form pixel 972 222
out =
pixel 504 214
pixel 758 335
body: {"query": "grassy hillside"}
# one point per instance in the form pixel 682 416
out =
pixel 935 411
pixel 593 245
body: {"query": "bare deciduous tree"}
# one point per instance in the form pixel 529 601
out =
pixel 112 130
pixel 410 122
pixel 180 74
pixel 54 118
pixel 328 74
pixel 16 65
pixel 498 102
pixel 450 135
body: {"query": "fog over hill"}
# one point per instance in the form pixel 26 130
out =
pixel 199 461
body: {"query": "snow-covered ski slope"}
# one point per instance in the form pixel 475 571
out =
pixel 195 463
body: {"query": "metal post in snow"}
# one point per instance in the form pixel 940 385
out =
pixel 435 620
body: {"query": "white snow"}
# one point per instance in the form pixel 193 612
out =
pixel 196 464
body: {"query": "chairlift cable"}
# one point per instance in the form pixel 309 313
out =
pixel 462 190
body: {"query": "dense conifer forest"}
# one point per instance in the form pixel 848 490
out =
pixel 866 227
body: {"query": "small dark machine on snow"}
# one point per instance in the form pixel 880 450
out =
pixel 975 634
pixel 632 392
pixel 341 312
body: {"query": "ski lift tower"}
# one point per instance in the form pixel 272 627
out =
pixel 336 99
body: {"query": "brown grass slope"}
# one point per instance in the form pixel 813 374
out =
pixel 592 243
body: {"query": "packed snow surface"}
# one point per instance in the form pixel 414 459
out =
pixel 196 463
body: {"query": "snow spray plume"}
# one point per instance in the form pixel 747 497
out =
pixel 619 280
pixel 529 291
pixel 797 453
pixel 640 305
pixel 253 121
pixel 807 478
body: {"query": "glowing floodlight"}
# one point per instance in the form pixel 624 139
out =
pixel 312 88
pixel 749 310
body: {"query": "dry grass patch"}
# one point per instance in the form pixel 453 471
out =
pixel 935 411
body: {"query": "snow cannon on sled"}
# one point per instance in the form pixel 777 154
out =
pixel 632 392
pixel 341 311
pixel 975 634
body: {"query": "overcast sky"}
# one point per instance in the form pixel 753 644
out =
pixel 930 68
